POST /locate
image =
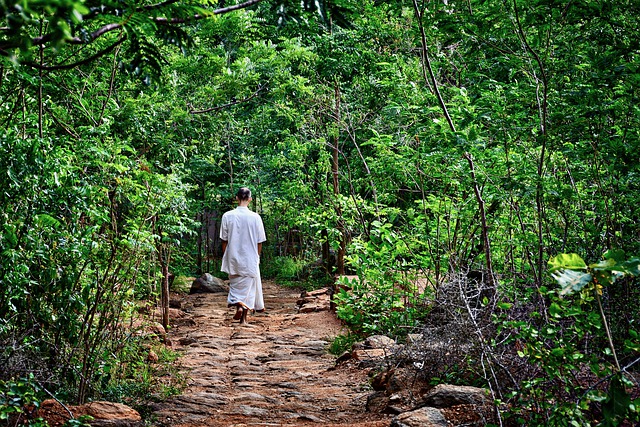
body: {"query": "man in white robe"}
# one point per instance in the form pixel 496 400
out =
pixel 242 234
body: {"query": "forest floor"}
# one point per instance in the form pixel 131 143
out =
pixel 275 373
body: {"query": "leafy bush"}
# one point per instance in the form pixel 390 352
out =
pixel 74 249
pixel 18 400
pixel 383 298
pixel 135 381
pixel 182 284
pixel 577 374
pixel 285 270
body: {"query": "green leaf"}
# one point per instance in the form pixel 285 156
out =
pixel 632 266
pixel 571 281
pixel 607 264
pixel 617 404
pixel 46 220
pixel 615 254
pixel 10 236
pixel 505 305
pixel 567 261
pixel 555 310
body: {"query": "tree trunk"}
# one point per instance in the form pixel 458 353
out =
pixel 164 256
pixel 336 188
pixel 164 265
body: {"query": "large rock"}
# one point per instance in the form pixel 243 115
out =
pixel 373 350
pixel 104 414
pixel 422 417
pixel 110 414
pixel 446 395
pixel 379 341
pixel 369 359
pixel 154 330
pixel 207 283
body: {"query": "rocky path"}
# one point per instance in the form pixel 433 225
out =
pixel 277 373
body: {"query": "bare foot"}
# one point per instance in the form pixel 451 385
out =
pixel 240 308
pixel 246 325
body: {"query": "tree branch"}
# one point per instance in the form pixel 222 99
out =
pixel 483 219
pixel 37 41
pixel 230 104
pixel 220 11
pixel 427 63
pixel 59 123
pixel 76 64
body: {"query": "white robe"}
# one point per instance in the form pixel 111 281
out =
pixel 242 229
pixel 247 290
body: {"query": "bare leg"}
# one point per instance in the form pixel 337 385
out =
pixel 238 314
pixel 243 319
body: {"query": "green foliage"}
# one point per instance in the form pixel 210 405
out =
pixel 18 398
pixel 134 380
pixel 102 173
pixel 383 297
pixel 285 270
pixel 181 284
pixel 73 244
pixel 295 272
pixel 81 421
pixel 571 272
pixel 145 31
pixel 343 343
pixel 576 339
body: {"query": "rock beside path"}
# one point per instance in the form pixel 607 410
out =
pixel 207 283
pixel 318 300
pixel 422 417
pixel 444 396
pixel 103 414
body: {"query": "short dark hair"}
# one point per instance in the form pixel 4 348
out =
pixel 243 194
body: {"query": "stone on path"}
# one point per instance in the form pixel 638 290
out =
pixel 312 301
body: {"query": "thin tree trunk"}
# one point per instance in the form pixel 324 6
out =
pixel 163 259
pixel 203 229
pixel 40 101
pixel 426 63
pixel 483 221
pixel 164 254
pixel 164 266
pixel 114 68
pixel 543 112
pixel 336 187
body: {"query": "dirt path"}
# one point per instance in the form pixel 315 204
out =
pixel 277 373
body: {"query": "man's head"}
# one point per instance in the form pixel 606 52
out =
pixel 243 194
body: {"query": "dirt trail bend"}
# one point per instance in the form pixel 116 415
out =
pixel 276 373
